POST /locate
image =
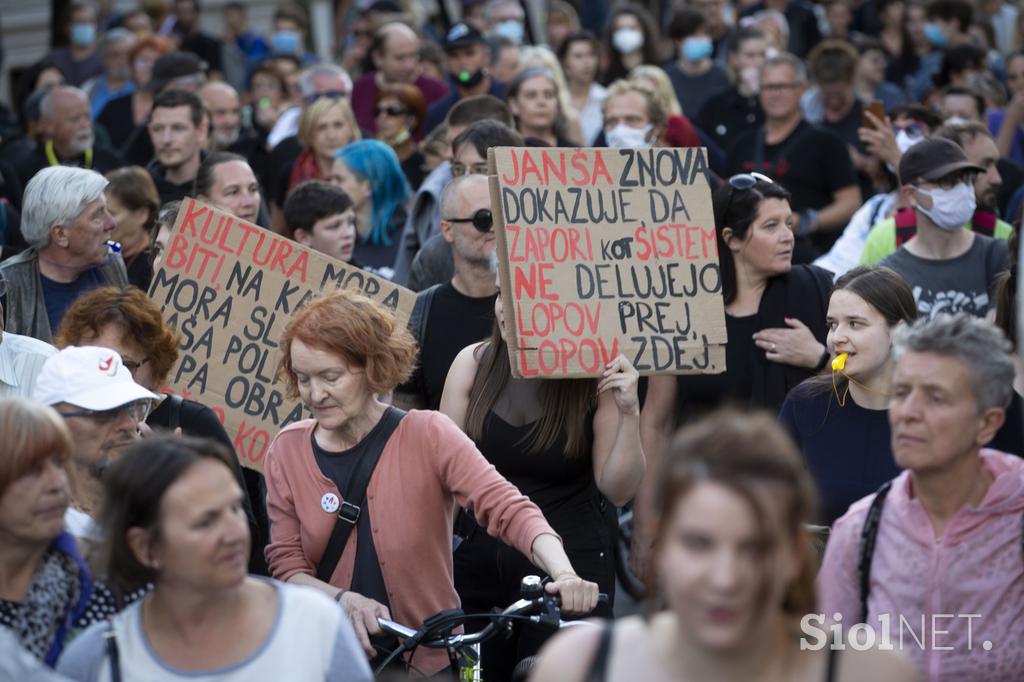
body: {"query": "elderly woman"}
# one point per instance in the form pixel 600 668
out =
pixel 45 588
pixel 391 478
pixel 129 322
pixel 174 518
pixel 398 112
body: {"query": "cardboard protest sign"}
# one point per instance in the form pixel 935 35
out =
pixel 607 251
pixel 230 288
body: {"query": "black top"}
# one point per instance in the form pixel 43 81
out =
pixel 802 294
pixel 701 393
pixel 167 190
pixel 380 258
pixel 279 169
pixel 415 170
pixel 727 114
pixel 454 322
pixel 1010 437
pixel 848 449
pixel 196 419
pixel 367 579
pixel 117 118
pixel 140 269
pixel 104 160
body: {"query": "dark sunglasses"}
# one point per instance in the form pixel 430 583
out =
pixel 482 220
pixel 743 181
pixel 390 111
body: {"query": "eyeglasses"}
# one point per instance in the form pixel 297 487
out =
pixel 331 94
pixel 132 365
pixel 744 181
pixel 482 220
pixel 138 411
pixel 390 111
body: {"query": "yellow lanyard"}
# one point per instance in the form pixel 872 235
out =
pixel 51 156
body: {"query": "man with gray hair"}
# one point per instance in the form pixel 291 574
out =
pixel 65 127
pixel 450 316
pixel 939 548
pixel 65 221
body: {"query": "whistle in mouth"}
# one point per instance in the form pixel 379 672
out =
pixel 839 362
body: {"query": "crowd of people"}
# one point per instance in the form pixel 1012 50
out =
pixel 844 502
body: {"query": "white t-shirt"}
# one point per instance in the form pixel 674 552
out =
pixel 311 640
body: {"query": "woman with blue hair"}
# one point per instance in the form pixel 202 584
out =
pixel 371 173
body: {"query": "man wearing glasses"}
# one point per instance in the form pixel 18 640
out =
pixel 813 164
pixel 949 269
pixel 93 390
pixel 450 316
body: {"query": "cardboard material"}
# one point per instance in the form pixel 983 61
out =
pixel 230 288
pixel 607 251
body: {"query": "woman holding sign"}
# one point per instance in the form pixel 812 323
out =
pixel 571 445
pixel 361 496
pixel 774 316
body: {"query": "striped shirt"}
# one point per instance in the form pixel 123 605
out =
pixel 21 360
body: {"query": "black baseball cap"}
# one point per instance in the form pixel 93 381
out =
pixel 462 35
pixel 932 159
pixel 174 65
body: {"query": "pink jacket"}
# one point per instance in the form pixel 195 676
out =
pixel 427 465
pixel 961 596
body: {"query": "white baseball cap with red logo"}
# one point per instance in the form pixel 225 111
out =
pixel 89 377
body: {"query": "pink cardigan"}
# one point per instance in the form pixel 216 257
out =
pixel 427 465
pixel 977 567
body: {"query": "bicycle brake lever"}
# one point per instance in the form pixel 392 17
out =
pixel 551 614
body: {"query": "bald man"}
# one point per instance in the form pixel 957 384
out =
pixel 395 55
pixel 67 136
pixel 227 133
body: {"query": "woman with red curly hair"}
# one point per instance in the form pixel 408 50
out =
pixel 340 354
pixel 129 322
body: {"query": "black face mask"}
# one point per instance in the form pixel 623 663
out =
pixel 465 79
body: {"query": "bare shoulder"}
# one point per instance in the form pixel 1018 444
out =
pixel 567 657
pixel 875 664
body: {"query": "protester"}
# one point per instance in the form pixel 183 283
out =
pixel 326 126
pixel 67 136
pixel 21 360
pixel 191 38
pixel 173 519
pixel 808 161
pixel 980 150
pixel 226 181
pixel 734 573
pixel 80 60
pixel 1007 125
pixel 133 204
pixel 695 76
pixel 121 115
pixel 92 389
pixel 950 269
pixel 586 430
pixel 679 132
pixel 948 529
pixel 774 318
pixel 66 223
pixel 632 38
pixel 116 79
pixel 634 117
pixel 726 113
pixel 395 56
pixel 578 54
pixel 178 128
pixel 371 174
pixel 398 112
pixel 339 353
pixel 455 314
pixel 165 220
pixel 468 58
pixel 839 421
pixel 533 99
pixel 321 216
pixel 46 592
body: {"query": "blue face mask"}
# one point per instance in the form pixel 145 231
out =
pixel 933 33
pixel 697 48
pixel 511 29
pixel 284 42
pixel 83 35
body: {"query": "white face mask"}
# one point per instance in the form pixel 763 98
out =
pixel 627 40
pixel 951 208
pixel 623 136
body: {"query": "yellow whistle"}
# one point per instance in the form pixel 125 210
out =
pixel 839 362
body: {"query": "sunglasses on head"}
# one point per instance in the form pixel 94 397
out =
pixel 390 111
pixel 482 220
pixel 744 181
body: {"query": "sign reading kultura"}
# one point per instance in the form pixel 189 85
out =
pixel 230 288
pixel 607 251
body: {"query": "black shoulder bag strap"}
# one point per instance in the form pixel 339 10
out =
pixel 599 665
pixel 868 535
pixel 420 313
pixel 355 496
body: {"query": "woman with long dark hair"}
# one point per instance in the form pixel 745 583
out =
pixel 841 421
pixel 571 445
pixel 631 39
